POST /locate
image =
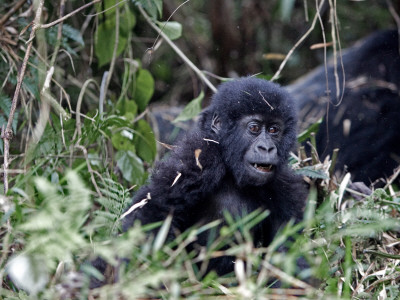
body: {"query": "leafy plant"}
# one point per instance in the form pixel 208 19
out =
pixel 68 189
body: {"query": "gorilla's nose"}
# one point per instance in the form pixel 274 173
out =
pixel 266 147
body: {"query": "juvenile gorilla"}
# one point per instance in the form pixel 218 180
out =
pixel 234 160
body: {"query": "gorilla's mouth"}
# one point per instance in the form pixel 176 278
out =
pixel 265 168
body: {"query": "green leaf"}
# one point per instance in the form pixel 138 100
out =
pixel 127 108
pixel 73 34
pixel 121 141
pixel 312 173
pixel 191 110
pixel 151 6
pixel 105 36
pixel 144 141
pixel 162 234
pixel 105 40
pixel 172 29
pixel 127 22
pixel 107 7
pixel 131 166
pixel 144 88
pixel 306 133
pixel 55 227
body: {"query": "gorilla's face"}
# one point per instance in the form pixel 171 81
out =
pixel 261 157
pixel 251 149
pixel 254 121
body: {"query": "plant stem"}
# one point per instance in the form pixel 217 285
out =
pixel 44 26
pixel 7 133
pixel 301 40
pixel 178 51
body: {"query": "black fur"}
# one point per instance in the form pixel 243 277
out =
pixel 223 178
pixel 370 149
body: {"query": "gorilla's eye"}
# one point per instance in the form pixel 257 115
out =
pixel 273 129
pixel 254 128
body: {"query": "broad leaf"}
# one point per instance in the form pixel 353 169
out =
pixel 306 133
pixel 145 142
pixel 191 110
pixel 172 29
pixel 122 142
pixel 131 166
pixel 151 6
pixel 312 173
pixel 105 36
pixel 73 34
pixel 127 108
pixel 144 89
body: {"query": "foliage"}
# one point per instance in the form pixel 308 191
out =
pixel 94 145
pixel 114 201
pixel 191 110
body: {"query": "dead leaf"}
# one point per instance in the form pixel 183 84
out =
pixel 168 146
pixel 196 155
pixel 320 45
pixel 176 178
pixel 209 140
pixel 274 56
pixel 136 206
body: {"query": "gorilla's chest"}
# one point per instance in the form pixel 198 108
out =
pixel 229 200
pixel 237 203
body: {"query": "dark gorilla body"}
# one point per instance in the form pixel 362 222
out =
pixel 242 143
pixel 366 125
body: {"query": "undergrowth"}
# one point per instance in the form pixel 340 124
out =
pixel 83 146
pixel 349 247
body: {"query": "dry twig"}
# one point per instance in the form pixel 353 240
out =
pixel 13 9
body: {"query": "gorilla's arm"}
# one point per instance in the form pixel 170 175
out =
pixel 179 182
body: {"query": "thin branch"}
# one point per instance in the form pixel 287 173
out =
pixel 114 57
pixel 337 46
pixel 103 92
pixel 7 133
pixel 108 9
pixel 45 108
pixel 13 9
pixel 59 34
pixel 166 22
pixel 288 278
pixel 84 151
pixel 301 40
pixel 393 177
pixel 321 23
pixel 44 26
pixel 78 107
pixel 4 255
pixel 178 51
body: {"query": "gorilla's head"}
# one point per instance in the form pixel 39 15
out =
pixel 254 122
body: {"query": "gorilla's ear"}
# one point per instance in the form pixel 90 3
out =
pixel 215 123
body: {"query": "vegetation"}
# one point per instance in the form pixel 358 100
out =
pixel 76 142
